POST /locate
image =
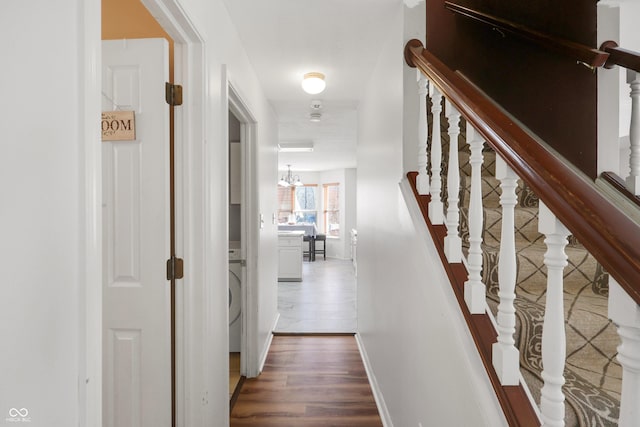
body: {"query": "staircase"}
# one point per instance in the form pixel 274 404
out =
pixel 592 374
pixel 535 301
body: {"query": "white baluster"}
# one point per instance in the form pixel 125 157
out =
pixel 633 180
pixel 453 242
pixel 422 182
pixel 506 357
pixel 436 208
pixel 625 313
pixel 474 289
pixel 554 347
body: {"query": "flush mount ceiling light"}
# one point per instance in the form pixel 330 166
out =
pixel 289 179
pixel 295 146
pixel 313 83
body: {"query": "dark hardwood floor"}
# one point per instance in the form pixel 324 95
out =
pixel 308 381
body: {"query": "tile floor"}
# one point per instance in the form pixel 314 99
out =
pixel 325 300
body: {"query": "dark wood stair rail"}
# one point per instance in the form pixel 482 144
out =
pixel 583 54
pixel 619 56
pixel 608 55
pixel 611 236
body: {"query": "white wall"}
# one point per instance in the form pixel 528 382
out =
pixel 223 50
pixel 628 38
pixel 50 212
pixel 340 247
pixel 409 324
pixel 617 21
pixel 350 208
pixel 49 243
pixel 415 21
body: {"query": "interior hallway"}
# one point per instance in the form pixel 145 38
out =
pixel 312 380
pixel 325 300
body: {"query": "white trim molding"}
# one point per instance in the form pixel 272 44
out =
pixel 90 264
pixel 412 3
pixel 375 388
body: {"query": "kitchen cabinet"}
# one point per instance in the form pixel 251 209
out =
pixel 290 256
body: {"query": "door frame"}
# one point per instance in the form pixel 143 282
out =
pixel 192 354
pixel 189 185
pixel 90 208
pixel 232 101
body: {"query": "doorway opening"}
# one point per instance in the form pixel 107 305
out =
pixel 243 230
pixel 321 297
pixel 138 220
pixel 236 260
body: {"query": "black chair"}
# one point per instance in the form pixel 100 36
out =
pixel 320 238
pixel 310 252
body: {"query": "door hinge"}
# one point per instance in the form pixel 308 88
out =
pixel 175 268
pixel 173 94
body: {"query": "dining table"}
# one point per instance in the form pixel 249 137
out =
pixel 310 230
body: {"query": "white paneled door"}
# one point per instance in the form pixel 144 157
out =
pixel 136 238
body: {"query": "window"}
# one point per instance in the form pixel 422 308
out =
pixel 332 209
pixel 284 204
pixel 297 202
pixel 305 204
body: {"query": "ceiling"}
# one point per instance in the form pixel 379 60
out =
pixel 285 39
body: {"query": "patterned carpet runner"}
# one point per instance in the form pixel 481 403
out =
pixel 592 374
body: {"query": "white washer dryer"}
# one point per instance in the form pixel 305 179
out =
pixel 235 299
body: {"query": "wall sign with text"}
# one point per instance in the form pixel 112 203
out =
pixel 118 126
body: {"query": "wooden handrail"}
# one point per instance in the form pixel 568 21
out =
pixel 583 54
pixel 605 231
pixel 618 184
pixel 618 56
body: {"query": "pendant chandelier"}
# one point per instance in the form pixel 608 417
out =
pixel 289 179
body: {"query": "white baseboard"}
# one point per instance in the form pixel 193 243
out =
pixel 267 346
pixel 377 394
